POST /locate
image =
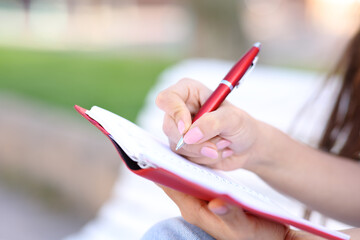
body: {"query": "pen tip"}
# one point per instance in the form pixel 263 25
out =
pixel 180 144
pixel 257 44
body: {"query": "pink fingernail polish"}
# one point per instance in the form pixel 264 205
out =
pixel 181 126
pixel 222 144
pixel 227 153
pixel 193 136
pixel 220 210
pixel 209 152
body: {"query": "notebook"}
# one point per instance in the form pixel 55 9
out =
pixel 149 157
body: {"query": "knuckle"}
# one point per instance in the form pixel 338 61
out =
pixel 161 98
pixel 188 82
pixel 212 122
pixel 185 80
pixel 216 123
pixel 177 112
pixel 240 120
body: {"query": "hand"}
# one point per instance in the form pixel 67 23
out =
pixel 226 138
pixel 223 221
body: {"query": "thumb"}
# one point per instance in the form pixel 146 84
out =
pixel 174 105
pixel 228 213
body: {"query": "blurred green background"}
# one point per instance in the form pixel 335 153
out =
pixel 56 170
pixel 65 78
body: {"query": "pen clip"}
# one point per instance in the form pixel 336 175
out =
pixel 249 70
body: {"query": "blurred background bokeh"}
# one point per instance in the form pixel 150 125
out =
pixel 56 170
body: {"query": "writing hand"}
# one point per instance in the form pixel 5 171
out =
pixel 225 138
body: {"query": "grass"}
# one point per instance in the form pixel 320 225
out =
pixel 114 82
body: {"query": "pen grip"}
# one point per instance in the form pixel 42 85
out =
pixel 214 101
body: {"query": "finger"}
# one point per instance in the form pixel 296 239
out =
pixel 226 221
pixel 181 100
pixel 205 153
pixel 171 131
pixel 178 197
pixel 227 122
pixel 188 154
pixel 192 209
pixel 215 148
pixel 211 124
pixel 207 149
pixel 218 207
pixel 230 163
pixel 173 135
pixel 229 214
pixel 244 225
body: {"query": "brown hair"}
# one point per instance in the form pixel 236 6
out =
pixel 345 116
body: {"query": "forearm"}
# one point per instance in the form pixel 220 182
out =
pixel 326 183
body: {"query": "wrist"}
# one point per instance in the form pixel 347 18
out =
pixel 268 150
pixel 275 154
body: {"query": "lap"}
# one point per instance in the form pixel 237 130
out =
pixel 175 229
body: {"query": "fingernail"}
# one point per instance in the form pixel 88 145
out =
pixel 209 152
pixel 181 126
pixel 222 210
pixel 193 136
pixel 222 144
pixel 227 153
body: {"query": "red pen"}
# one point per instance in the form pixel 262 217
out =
pixel 226 85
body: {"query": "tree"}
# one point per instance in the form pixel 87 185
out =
pixel 217 31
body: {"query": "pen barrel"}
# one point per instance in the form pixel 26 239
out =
pixel 241 67
pixel 214 101
pixel 230 81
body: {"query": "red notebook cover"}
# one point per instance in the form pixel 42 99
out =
pixel 169 179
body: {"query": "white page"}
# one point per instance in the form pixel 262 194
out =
pixel 141 146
